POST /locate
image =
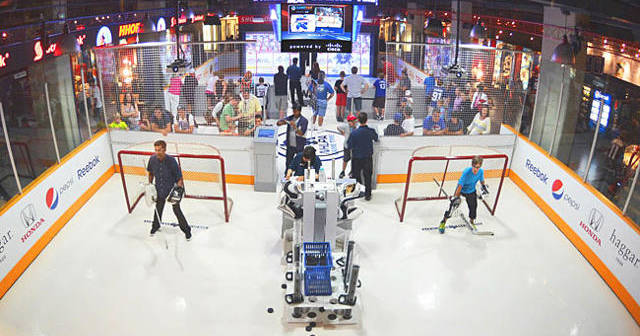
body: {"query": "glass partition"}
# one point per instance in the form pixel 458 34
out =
pixel 8 184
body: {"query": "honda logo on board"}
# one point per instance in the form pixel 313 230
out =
pixel 595 220
pixel 31 221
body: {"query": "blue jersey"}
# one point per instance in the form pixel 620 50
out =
pixel 468 180
pixel 381 87
pixel 323 90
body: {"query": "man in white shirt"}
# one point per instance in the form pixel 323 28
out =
pixel 355 85
pixel 409 122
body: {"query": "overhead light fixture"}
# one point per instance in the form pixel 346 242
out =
pixel 69 43
pixel 433 26
pixel 478 32
pixel 563 53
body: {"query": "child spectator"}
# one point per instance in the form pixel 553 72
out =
pixel 118 123
pixel 379 101
pixel 394 129
pixel 184 121
pixel 261 92
pixel 455 125
pixel 409 122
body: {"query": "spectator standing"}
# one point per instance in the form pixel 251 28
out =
pixel 355 85
pixel 261 93
pixel 231 87
pixel 184 121
pixel 395 128
pixel 161 120
pixel 228 116
pixel 296 129
pixel 481 123
pixel 247 109
pixel 361 144
pixel 429 85
pixel 217 111
pixel 211 89
pixel 321 90
pixel 189 90
pixel 294 73
pixel 479 98
pixel 130 112
pixel 175 88
pixel 315 71
pixel 280 83
pixel 433 124
pixel 409 122
pixel 345 129
pixel 220 88
pixel 246 83
pixel 381 92
pixel 96 96
pixel 455 125
pixel 341 97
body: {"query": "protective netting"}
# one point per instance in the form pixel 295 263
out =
pixel 433 173
pixel 202 170
pixel 143 91
pixel 489 92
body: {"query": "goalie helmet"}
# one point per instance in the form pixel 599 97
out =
pixel 175 195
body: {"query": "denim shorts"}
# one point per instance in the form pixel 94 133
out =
pixel 356 101
pixel 321 108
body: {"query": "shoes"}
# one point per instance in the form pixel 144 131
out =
pixel 341 174
pixel 154 230
pixel 188 236
pixel 367 198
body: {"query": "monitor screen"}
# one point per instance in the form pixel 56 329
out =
pixel 317 28
pixel 266 133
pixel 600 99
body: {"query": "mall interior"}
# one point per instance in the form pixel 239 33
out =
pixel 547 92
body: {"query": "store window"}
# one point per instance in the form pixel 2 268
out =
pixel 27 121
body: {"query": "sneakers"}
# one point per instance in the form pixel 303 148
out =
pixel 341 174
pixel 188 236
pixel 154 230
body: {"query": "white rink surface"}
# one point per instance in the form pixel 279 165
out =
pixel 103 274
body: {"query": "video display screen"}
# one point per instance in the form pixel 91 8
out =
pixel 264 56
pixel 600 98
pixel 317 28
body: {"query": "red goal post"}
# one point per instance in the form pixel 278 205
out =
pixel 203 172
pixel 432 169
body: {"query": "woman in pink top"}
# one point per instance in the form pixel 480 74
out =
pixel 175 85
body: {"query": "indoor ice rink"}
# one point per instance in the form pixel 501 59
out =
pixel 317 165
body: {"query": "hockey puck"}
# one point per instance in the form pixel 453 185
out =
pixel 308 328
pixel 321 309
pixel 283 286
pixel 269 310
pixel 332 317
pixel 312 315
pixel 312 324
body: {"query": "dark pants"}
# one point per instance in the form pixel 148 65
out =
pixel 472 203
pixel 294 85
pixel 176 210
pixel 363 167
pixel 291 152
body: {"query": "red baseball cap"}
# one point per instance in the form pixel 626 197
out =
pixel 351 118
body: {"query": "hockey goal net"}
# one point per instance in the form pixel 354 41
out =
pixel 202 167
pixel 433 174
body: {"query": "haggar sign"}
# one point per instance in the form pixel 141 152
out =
pixel 612 239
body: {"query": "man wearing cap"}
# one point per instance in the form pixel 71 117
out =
pixel 395 128
pixel 296 129
pixel 361 144
pixel 345 129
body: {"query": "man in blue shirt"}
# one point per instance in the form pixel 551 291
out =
pixel 166 171
pixel 433 124
pixel 467 186
pixel 296 129
pixel 302 161
pixel 361 144
pixel 429 84
pixel 294 72
pixel 379 101
pixel 320 90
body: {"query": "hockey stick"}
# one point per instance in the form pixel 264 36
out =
pixel 155 209
pixel 474 229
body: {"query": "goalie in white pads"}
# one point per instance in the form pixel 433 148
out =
pixel 169 186
pixel 467 188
